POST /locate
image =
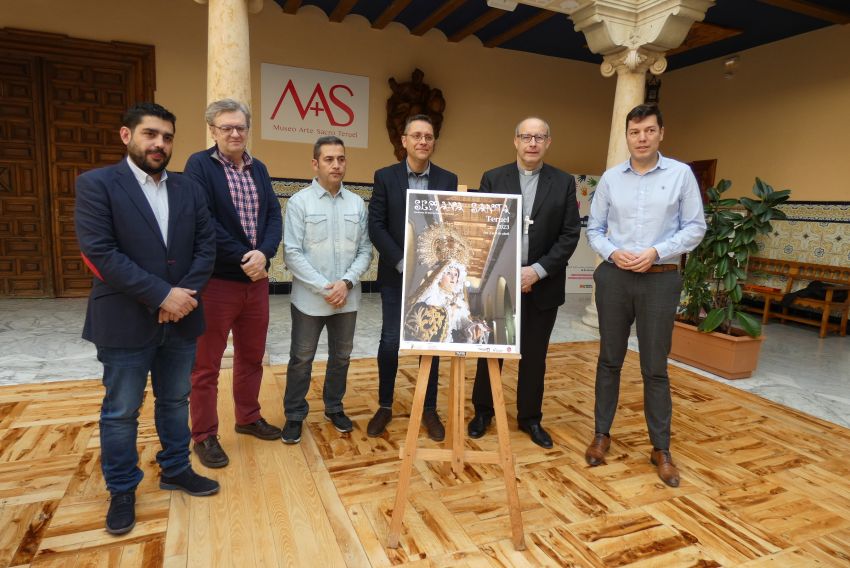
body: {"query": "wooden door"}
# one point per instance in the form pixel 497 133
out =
pixel 79 88
pixel 25 268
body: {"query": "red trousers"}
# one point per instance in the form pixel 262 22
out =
pixel 244 308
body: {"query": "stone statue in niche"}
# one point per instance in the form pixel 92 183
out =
pixel 412 97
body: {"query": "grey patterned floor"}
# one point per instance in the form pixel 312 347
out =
pixel 40 342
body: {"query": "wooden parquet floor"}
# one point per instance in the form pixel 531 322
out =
pixel 762 485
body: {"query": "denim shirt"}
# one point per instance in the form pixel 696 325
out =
pixel 325 239
pixel 661 208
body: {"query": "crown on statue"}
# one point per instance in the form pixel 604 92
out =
pixel 442 243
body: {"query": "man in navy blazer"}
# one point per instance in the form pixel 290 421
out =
pixel 387 223
pixel 248 228
pixel 147 237
pixel 551 229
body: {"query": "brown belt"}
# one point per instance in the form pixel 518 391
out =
pixel 663 268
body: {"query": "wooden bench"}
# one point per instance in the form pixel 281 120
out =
pixel 793 273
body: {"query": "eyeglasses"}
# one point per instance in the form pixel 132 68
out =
pixel 417 137
pixel 227 129
pixel 527 138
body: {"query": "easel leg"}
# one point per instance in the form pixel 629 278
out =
pixel 450 417
pixel 507 458
pixel 409 450
pixel 456 409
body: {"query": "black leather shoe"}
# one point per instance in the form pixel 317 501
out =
pixel 259 429
pixel 479 424
pixel 121 517
pixel 537 434
pixel 190 482
pixel 378 424
pixel 433 425
pixel 211 453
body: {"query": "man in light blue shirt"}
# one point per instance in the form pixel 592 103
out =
pixel 327 249
pixel 645 214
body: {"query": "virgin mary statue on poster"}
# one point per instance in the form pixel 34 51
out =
pixel 439 310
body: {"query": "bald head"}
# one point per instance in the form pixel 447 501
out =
pixel 532 139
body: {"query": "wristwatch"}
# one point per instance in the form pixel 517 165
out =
pixel 348 283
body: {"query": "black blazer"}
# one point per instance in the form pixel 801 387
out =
pixel 386 215
pixel 231 241
pixel 134 269
pixel 556 229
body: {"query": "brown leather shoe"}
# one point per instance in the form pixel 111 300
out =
pixel 595 454
pixel 260 429
pixel 378 424
pixel 666 468
pixel 433 425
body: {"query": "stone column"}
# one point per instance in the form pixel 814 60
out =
pixel 630 66
pixel 228 50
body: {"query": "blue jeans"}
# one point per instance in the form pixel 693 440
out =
pixel 388 351
pixel 169 360
pixel 305 338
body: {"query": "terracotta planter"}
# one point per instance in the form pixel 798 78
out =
pixel 730 356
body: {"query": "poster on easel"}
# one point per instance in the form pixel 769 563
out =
pixel 461 280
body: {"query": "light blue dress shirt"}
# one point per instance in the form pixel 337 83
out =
pixel 661 208
pixel 325 239
pixel 420 180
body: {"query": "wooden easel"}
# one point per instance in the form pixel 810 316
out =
pixel 454 451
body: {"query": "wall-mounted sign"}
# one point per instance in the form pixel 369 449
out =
pixel 299 105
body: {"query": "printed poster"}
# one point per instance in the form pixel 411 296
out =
pixel 461 281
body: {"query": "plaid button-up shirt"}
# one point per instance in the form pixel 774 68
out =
pixel 243 191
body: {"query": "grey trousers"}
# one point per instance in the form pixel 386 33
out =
pixel 650 299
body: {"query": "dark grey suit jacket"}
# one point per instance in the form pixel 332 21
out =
pixel 386 215
pixel 556 229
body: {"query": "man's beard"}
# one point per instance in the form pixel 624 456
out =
pixel 140 159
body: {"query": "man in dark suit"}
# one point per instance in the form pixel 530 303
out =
pixel 386 230
pixel 248 227
pixel 551 229
pixel 147 237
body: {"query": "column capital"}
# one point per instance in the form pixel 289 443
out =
pixel 655 25
pixel 633 60
pixel 611 25
pixel 254 6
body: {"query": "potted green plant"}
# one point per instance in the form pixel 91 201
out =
pixel 711 281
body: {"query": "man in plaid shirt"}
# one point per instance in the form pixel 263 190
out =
pixel 248 227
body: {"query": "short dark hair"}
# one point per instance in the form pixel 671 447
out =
pixel 134 115
pixel 414 118
pixel 325 141
pixel 642 111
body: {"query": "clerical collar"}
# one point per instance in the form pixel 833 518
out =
pixel 529 173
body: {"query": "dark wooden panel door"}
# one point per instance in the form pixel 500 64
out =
pixel 60 114
pixel 25 267
pixel 83 107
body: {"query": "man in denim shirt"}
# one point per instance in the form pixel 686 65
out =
pixel 327 249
